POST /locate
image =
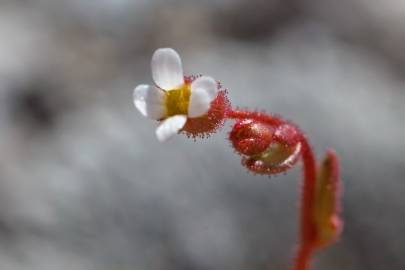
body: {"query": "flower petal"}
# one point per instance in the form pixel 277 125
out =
pixel 170 127
pixel 149 100
pixel 207 83
pixel 167 70
pixel 200 102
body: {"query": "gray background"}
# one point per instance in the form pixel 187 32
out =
pixel 84 184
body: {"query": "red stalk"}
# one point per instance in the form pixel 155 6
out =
pixel 272 120
pixel 303 257
pixel 307 228
pixel 319 226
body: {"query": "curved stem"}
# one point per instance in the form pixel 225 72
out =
pixel 307 228
pixel 308 193
pixel 242 114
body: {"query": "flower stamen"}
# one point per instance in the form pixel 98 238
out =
pixel 177 100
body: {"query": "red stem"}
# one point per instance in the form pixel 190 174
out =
pixel 272 120
pixel 307 228
pixel 303 257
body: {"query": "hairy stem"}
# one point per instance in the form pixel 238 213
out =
pixel 242 114
pixel 307 228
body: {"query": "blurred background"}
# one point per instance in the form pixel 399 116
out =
pixel 84 183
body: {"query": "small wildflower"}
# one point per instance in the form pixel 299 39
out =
pixel 178 102
pixel 267 143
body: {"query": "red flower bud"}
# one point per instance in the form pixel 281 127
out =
pixel 266 149
pixel 250 137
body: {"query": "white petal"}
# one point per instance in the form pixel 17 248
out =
pixel 149 100
pixel 200 102
pixel 167 70
pixel 171 126
pixel 207 83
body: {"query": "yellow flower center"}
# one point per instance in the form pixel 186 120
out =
pixel 177 100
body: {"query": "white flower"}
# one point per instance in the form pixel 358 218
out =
pixel 173 100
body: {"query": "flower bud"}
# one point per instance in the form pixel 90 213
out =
pixel 276 159
pixel 250 137
pixel 266 149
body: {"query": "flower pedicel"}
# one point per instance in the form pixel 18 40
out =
pixel 268 144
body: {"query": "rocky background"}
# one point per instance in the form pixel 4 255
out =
pixel 85 185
